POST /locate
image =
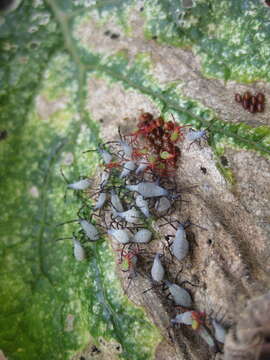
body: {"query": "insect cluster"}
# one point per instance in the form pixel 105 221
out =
pixel 156 146
pixel 252 103
pixel 135 190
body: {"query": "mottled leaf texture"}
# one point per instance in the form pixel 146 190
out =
pixel 52 307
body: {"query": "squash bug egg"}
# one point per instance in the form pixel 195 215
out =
pixel 238 98
pixel 245 104
pixel 247 96
pixel 260 97
pixel 252 108
pixel 260 107
pixel 253 100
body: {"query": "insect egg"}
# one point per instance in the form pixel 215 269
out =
pixel 252 108
pixel 245 104
pixel 260 107
pixel 238 98
pixel 260 97
pixel 253 100
pixel 247 95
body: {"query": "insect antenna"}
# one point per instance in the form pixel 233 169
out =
pixel 63 175
pixel 119 133
pixel 84 152
pixel 128 285
pixel 151 288
pixel 164 246
pixel 68 222
pixel 188 223
pixel 168 222
pixel 64 238
pixel 178 273
pixel 188 282
pixel 66 181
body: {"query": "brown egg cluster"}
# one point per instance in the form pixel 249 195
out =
pixel 252 103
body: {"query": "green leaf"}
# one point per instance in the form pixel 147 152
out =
pixel 53 306
pixel 231 37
